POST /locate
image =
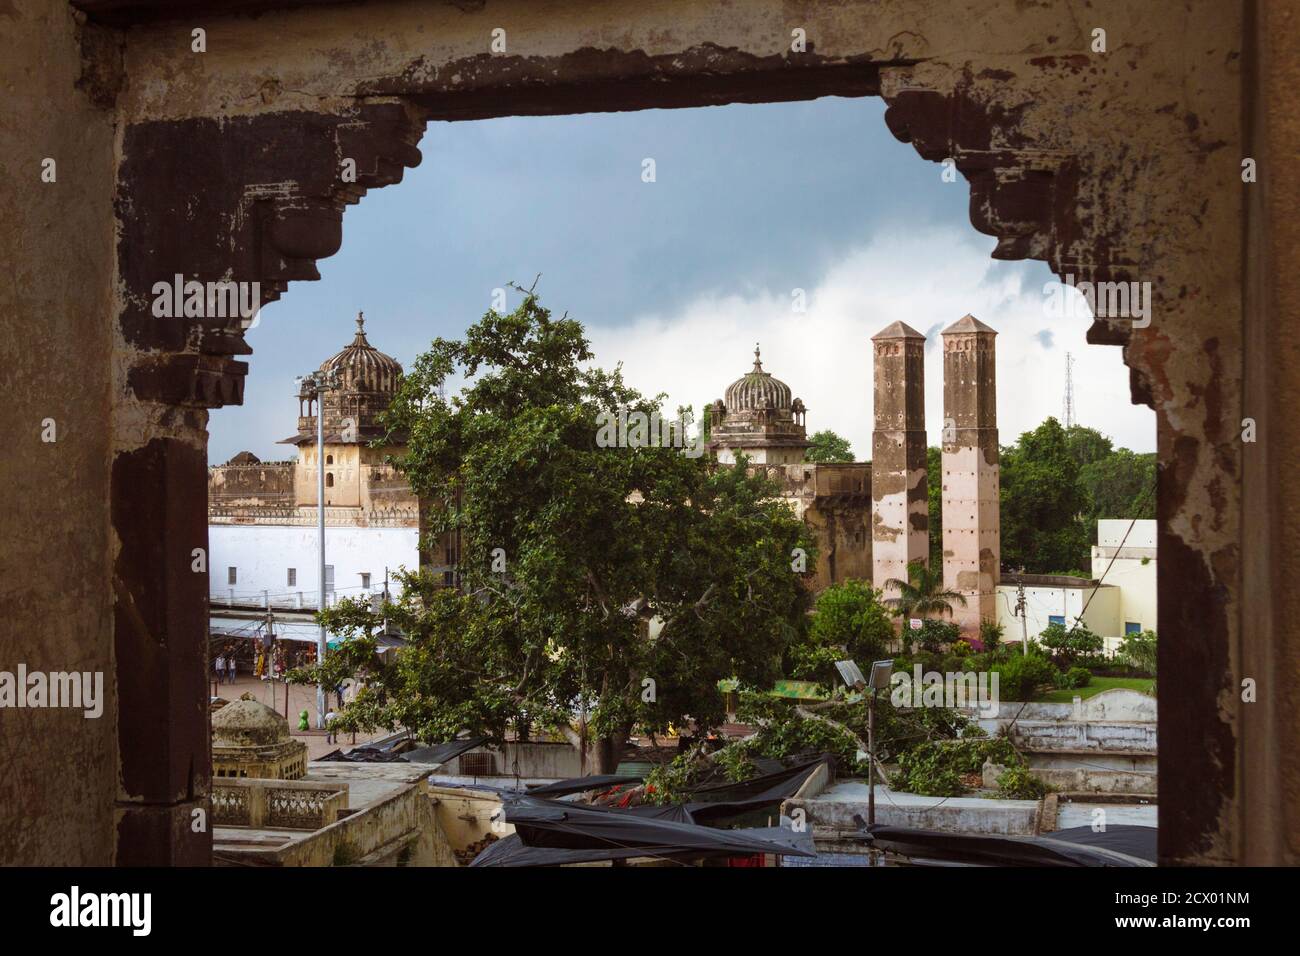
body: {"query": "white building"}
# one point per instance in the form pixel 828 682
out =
pixel 1124 602
pixel 263 543
pixel 1131 568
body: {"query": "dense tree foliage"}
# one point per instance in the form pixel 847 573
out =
pixel 828 447
pixel 848 620
pixel 934 486
pixel 1042 503
pixel 1056 484
pixel 603 588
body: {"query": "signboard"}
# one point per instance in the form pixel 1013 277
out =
pixel 914 623
pixel 798 690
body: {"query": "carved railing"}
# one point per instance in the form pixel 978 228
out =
pixel 284 804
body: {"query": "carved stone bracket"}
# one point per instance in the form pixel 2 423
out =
pixel 253 199
pixel 1025 196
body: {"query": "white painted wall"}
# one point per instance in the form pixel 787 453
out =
pixel 1132 568
pixel 1102 617
pixel 263 553
pixel 1110 532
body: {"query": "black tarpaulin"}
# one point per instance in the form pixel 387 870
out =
pixel 572 826
pixel 979 849
pixel 364 754
pixel 716 804
pixel 512 851
pixel 582 784
pixel 441 753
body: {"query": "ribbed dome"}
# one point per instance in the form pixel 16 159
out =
pixel 758 390
pixel 363 368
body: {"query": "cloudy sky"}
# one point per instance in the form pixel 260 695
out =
pixel 678 278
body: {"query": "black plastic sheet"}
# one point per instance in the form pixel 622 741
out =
pixel 1114 847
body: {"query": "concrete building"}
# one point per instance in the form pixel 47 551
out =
pixel 1123 603
pixel 761 418
pixel 1057 599
pixel 263 542
pixel 1125 556
pixel 971 499
pixel 118 502
pixel 900 510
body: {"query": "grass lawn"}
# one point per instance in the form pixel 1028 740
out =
pixel 1140 684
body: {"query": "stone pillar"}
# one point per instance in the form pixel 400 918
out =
pixel 971 520
pixel 899 498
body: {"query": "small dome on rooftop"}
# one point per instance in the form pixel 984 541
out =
pixel 361 367
pixel 758 390
pixel 248 723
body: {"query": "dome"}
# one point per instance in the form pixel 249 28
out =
pixel 248 723
pixel 363 368
pixel 758 390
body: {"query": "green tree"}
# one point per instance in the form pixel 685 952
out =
pixel 848 620
pixel 1043 504
pixel 828 447
pixel 923 594
pixel 1087 445
pixel 934 486
pixel 1119 485
pixel 573 551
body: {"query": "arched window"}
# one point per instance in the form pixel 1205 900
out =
pixel 329 481
pixel 329 459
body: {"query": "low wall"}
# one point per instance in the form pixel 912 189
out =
pixel 465 815
pixel 833 811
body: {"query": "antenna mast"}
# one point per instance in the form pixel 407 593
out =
pixel 1069 391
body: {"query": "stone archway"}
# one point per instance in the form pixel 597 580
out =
pixel 1121 166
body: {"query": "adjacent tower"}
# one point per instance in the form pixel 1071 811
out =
pixel 900 509
pixel 971 542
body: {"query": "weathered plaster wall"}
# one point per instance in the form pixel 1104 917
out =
pixel 900 508
pixel 972 547
pixel 57 784
pixel 1121 166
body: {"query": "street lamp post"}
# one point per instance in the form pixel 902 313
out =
pixel 851 674
pixel 318 383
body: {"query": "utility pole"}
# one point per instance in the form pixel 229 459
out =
pixel 1022 613
pixel 318 383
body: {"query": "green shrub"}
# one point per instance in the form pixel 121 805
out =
pixel 934 768
pixel 1020 676
pixel 1068 646
pixel 930 770
pixel 991 633
pixel 935 634
pixel 1139 652
pixel 1076 677
pixel 1017 783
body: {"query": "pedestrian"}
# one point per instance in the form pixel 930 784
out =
pixel 330 736
pixel 220 664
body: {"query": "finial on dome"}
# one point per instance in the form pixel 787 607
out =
pixel 361 322
pixel 758 364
